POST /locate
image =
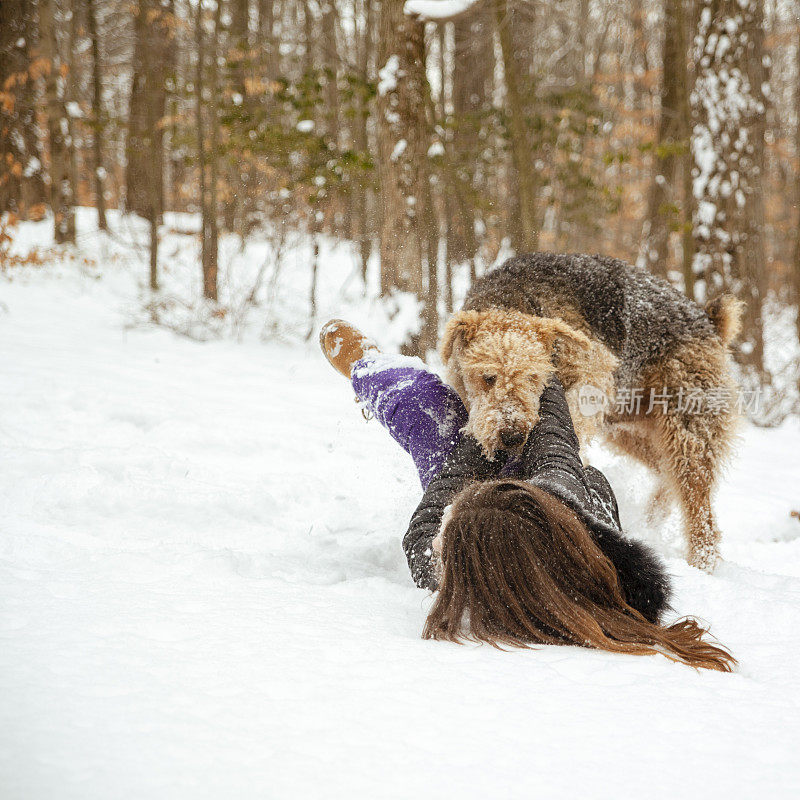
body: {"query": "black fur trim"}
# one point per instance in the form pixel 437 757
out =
pixel 644 582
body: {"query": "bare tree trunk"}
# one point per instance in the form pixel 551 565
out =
pixel 796 265
pixel 686 31
pixel 431 228
pixel 146 128
pixel 177 158
pixel 402 143
pixel 473 66
pixel 752 265
pixel 663 205
pixel 237 210
pixel 152 57
pixel 21 177
pixel 442 114
pixel 583 41
pixel 207 156
pixel 98 120
pixel 153 180
pixel 331 62
pixel 13 62
pixel 361 141
pixel 201 147
pixel 71 95
pixel 448 263
pixel 312 305
pixel 138 148
pixel 210 282
pixel 309 37
pixel 267 70
pixel 332 115
pixel 728 145
pixel 61 187
pixel 153 250
pixel 467 186
pixel 688 244
pixel 636 17
pixel 34 189
pixel 430 334
pixel 520 146
pixel 266 21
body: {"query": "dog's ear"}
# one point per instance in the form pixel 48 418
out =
pixel 552 331
pixel 461 328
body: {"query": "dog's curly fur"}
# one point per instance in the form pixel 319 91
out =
pixel 600 322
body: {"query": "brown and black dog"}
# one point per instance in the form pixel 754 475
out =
pixel 652 365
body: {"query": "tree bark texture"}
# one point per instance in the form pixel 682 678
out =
pixel 402 147
pixel 62 198
pixel 728 147
pixel 98 119
pixel 665 201
pixel 22 184
pixel 521 152
pixel 148 98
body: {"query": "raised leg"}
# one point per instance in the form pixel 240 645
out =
pixel 423 415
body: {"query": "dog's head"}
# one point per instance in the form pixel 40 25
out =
pixel 499 362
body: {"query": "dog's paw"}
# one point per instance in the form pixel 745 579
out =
pixel 704 558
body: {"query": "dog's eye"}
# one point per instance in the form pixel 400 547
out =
pixel 490 380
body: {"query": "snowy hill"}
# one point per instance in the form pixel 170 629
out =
pixel 203 593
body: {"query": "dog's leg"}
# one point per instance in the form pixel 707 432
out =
pixel 694 438
pixel 690 466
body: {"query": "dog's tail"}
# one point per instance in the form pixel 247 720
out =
pixel 725 313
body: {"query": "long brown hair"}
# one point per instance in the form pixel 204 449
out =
pixel 519 568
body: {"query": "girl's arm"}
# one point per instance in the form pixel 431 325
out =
pixel 551 456
pixel 465 464
pixel 551 461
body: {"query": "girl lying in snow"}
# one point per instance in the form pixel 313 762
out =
pixel 524 552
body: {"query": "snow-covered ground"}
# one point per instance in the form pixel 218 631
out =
pixel 203 593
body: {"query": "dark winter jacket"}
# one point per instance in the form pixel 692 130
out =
pixel 550 461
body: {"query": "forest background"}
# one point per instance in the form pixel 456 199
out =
pixel 429 137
